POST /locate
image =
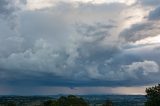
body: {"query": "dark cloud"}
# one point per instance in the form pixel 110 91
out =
pixel 5 8
pixel 136 32
pixel 149 2
pixel 140 31
pixel 148 27
pixel 155 14
pixel 82 45
pixel 9 12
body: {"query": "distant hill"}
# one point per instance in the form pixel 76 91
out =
pixel 93 100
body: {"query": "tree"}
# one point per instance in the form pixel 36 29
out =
pixel 76 101
pixel 70 100
pixel 108 103
pixel 49 103
pixel 10 104
pixel 153 96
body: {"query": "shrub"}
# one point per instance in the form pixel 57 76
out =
pixel 153 96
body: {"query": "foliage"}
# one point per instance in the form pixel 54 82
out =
pixel 153 96
pixel 108 103
pixel 10 104
pixel 71 100
pixel 48 103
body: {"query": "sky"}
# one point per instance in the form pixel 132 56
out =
pixel 52 47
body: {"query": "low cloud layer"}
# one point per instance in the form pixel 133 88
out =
pixel 78 44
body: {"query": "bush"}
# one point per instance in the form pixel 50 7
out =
pixel 70 100
pixel 10 104
pixel 153 96
pixel 108 103
pixel 48 103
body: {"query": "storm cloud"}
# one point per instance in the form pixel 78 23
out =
pixel 155 14
pixel 78 44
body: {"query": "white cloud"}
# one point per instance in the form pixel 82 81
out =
pixel 145 68
pixel 40 4
pixel 149 40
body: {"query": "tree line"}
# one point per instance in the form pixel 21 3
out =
pixel 152 96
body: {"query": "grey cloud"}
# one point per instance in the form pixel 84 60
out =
pixel 72 46
pixel 139 58
pixel 144 68
pixel 5 8
pixel 146 28
pixel 23 1
pixel 136 32
pixel 140 31
pixel 145 52
pixel 155 14
pixel 99 29
pixel 149 2
pixel 9 11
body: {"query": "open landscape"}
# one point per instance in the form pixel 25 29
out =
pixel 92 100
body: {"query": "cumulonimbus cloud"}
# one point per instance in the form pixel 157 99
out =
pixel 77 45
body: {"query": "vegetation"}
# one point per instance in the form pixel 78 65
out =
pixel 108 103
pixel 71 100
pixel 153 96
pixel 49 103
pixel 10 104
